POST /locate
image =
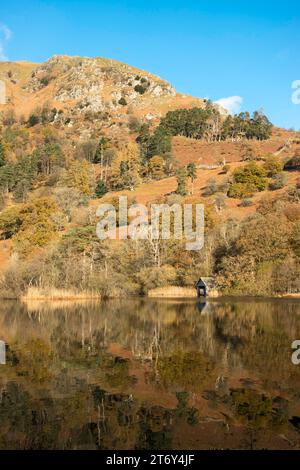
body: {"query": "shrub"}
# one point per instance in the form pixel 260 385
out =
pixel 33 120
pixel 292 212
pixel 248 154
pixel 9 117
pixel 241 190
pixel 293 194
pixel 293 164
pixel 224 186
pixel 122 101
pixel 278 182
pixel 226 169
pixel 140 89
pixel 211 188
pixel 134 123
pixel 253 176
pixel 220 201
pixel 247 202
pixel 45 81
pixel 273 165
pixel 10 222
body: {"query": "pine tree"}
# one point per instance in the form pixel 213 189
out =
pixel 181 182
pixel 49 156
pixel 100 189
pixel 2 155
pixel 191 170
pixel 143 141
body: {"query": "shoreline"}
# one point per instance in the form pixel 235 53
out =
pixel 166 292
pixel 157 295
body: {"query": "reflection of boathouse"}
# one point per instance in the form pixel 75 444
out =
pixel 2 352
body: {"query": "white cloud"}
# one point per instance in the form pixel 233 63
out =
pixel 232 104
pixel 5 35
pixel 6 32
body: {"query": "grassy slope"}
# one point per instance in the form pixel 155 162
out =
pixel 189 150
pixel 155 190
pixel 150 192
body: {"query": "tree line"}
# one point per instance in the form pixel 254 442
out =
pixel 208 124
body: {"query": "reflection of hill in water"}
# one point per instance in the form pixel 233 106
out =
pixel 116 368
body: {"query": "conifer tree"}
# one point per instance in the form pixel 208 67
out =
pixel 2 154
pixel 191 170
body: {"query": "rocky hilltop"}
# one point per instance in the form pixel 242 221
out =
pixel 88 93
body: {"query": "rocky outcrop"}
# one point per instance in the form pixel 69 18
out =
pixel 90 93
pixel 84 78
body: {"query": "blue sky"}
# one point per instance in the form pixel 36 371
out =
pixel 215 49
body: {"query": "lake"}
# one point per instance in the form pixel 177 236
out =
pixel 150 374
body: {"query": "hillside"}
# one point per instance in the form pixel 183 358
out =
pixel 86 93
pixel 282 142
pixel 76 132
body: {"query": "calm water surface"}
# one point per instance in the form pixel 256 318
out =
pixel 150 374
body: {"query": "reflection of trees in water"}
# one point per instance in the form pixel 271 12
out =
pixel 232 335
pixel 150 328
pixel 88 418
pixel 63 388
pixel 185 370
pixel 260 334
